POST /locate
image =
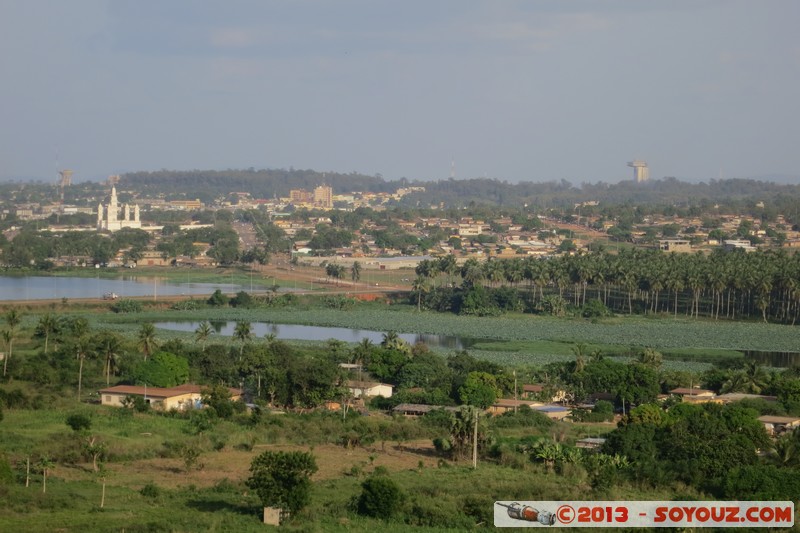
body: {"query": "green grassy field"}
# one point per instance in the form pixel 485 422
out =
pixel 516 339
pixel 438 495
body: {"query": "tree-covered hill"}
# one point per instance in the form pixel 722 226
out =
pixel 209 184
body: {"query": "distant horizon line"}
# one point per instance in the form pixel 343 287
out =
pixel 778 179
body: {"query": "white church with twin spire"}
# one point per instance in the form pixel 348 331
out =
pixel 111 218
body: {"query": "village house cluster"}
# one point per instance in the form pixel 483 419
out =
pixel 463 236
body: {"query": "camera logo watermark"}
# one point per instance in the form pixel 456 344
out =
pixel 643 514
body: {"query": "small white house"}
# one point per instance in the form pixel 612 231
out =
pixel 368 389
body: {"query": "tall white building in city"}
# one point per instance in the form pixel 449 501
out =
pixel 113 217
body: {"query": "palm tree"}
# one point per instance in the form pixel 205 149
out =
pixel 448 265
pixel 392 341
pixel 79 327
pixel 361 353
pixel 580 356
pixel 755 377
pixel 202 333
pixel 83 348
pixel 651 357
pixel 46 464
pixel 12 318
pixel 784 450
pixel 243 332
pixel 420 286
pixel 110 347
pixel 355 271
pixel 147 339
pixel 8 339
pixel 47 326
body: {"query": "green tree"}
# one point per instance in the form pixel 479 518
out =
pixel 8 340
pixel 83 347
pixel 420 286
pixel 218 299
pixel 13 319
pixel 480 389
pixel 243 332
pixel 355 271
pixel 46 327
pixel 282 479
pixel 380 497
pixel 79 422
pixel 218 398
pixel 202 333
pixel 109 346
pixel 163 369
pixel 45 465
pixel 95 449
pixel 147 339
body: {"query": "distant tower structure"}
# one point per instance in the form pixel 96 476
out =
pixel 113 180
pixel 64 180
pixel 640 171
pixel 453 169
pixel 109 217
pixel 323 197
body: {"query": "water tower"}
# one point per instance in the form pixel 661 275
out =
pixel 640 171
pixel 64 180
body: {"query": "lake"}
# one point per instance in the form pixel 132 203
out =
pixel 319 333
pixel 46 287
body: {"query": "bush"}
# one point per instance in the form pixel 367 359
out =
pixel 242 299
pixel 595 309
pixel 187 305
pixel 127 305
pixel 218 299
pixel 380 497
pixel 150 491
pixel 341 303
pixel 138 403
pixel 15 399
pixel 79 422
pixel 524 417
pixel 6 474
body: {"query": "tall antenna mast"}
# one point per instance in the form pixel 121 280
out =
pixel 453 169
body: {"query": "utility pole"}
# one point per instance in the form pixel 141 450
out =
pixel 515 391
pixel 475 441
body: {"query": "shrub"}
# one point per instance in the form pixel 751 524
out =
pixel 150 491
pixel 187 305
pixel 242 299
pixel 79 422
pixel 341 303
pixel 524 417
pixel 6 474
pixel 380 497
pixel 127 305
pixel 138 403
pixel 595 309
pixel 190 455
pixel 218 299
pixel 282 479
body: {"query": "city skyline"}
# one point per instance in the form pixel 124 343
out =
pixel 516 91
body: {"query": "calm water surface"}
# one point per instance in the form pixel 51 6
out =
pixel 45 287
pixel 319 333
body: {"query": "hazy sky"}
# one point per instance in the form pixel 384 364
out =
pixel 514 90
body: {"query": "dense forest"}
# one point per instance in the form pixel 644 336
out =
pixel 457 193
pixel 762 285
